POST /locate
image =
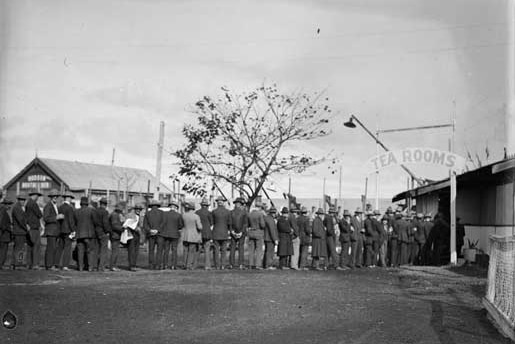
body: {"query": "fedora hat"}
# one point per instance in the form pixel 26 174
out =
pixel 239 200
pixel 204 201
pixel 420 215
pixel 272 210
pixel 332 209
pixel 346 212
pixel 320 211
pixel 427 216
pixel 21 196
pixel 358 211
pixel 103 200
pixel 304 210
pixel 118 206
pixel 389 210
pixel 189 205
pixel 173 203
pixel 154 203
pixel 377 212
pixel 84 200
pixel 7 201
pixel 53 193
pixel 284 210
pixel 295 210
pixel 138 207
pixel 68 194
pixel 369 213
pixel 385 218
pixel 35 192
pixel 220 199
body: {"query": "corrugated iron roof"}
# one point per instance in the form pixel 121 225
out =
pixel 78 176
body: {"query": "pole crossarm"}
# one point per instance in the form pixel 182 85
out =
pixel 416 128
pixel 412 175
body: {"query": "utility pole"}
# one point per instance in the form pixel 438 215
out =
pixel 160 144
pixel 454 256
pixel 340 188
pixel 323 196
pixel 510 109
pixel 112 157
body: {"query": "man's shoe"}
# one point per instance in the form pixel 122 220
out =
pixel 271 268
pixel 65 268
pixel 54 268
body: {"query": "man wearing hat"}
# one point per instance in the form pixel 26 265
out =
pixel 65 238
pixel 51 217
pixel 34 216
pixel 133 243
pixel 271 238
pixel 116 220
pixel 191 236
pixel 425 254
pixel 303 221
pixel 173 223
pixel 285 248
pixel 295 240
pixel 345 233
pixel 20 230
pixel 378 232
pixel 239 224
pixel 6 229
pixel 319 245
pixel 206 218
pixel 102 230
pixel 85 221
pixel 256 234
pixel 403 231
pixel 357 231
pixel 153 225
pixel 221 226
pixel 330 222
pixel 369 238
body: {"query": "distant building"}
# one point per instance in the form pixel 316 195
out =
pixel 485 200
pixel 132 185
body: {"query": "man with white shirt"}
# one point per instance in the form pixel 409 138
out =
pixel 64 242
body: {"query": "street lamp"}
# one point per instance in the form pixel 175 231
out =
pixel 350 124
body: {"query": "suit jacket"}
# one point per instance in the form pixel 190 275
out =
pixel 68 224
pixel 294 225
pixel 33 214
pixel 154 219
pixel 330 225
pixel 239 220
pixel 206 218
pixel 6 225
pixel 345 232
pixel 357 225
pixel 102 223
pixel 221 223
pixel 52 228
pixel 192 228
pixel 116 225
pixel 19 219
pixel 270 229
pixel 377 225
pixel 304 230
pixel 256 219
pixel 401 228
pixel 85 220
pixel 172 224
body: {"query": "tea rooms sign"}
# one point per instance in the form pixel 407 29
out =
pixel 405 156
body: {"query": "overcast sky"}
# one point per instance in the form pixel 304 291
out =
pixel 78 78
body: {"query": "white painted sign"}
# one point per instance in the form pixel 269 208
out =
pixel 416 155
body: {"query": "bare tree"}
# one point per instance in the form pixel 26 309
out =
pixel 241 139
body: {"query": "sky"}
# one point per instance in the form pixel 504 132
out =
pixel 78 78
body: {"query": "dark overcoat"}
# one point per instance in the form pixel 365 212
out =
pixel 284 229
pixel 344 231
pixel 33 214
pixel 304 230
pixel 206 218
pixel 319 244
pixel 222 223
pixel 19 220
pixel 6 225
pixel 172 224
pixel 116 225
pixel 85 220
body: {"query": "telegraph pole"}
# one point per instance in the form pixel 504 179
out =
pixel 160 144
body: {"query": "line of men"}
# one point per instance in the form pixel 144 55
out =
pixel 364 239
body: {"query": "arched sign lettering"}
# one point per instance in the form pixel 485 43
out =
pixel 426 156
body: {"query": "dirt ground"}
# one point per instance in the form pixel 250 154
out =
pixel 409 305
